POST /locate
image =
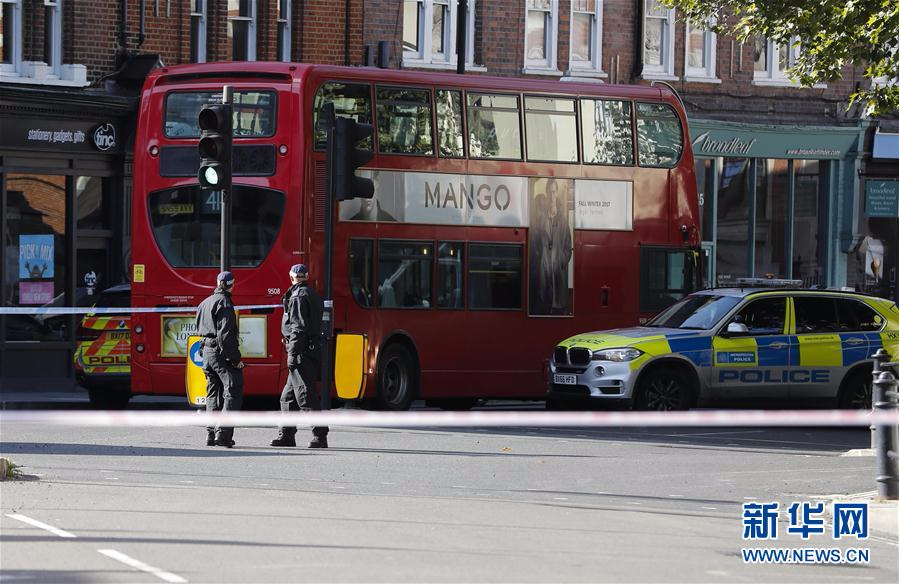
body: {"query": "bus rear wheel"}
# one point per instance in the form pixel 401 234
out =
pixel 397 383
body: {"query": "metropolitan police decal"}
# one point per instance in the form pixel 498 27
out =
pixel 104 137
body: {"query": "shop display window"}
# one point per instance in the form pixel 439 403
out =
pixel 35 255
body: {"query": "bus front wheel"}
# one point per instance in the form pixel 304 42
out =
pixel 396 378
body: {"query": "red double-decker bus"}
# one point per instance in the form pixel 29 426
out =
pixel 508 214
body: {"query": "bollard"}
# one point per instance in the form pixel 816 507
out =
pixel 880 357
pixel 885 389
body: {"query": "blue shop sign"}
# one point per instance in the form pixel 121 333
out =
pixel 882 198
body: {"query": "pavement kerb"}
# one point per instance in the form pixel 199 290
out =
pixel 883 514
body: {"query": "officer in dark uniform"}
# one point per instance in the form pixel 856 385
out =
pixel 217 324
pixel 301 327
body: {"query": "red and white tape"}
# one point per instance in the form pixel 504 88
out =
pixel 475 419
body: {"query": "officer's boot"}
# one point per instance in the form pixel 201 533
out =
pixel 210 437
pixel 318 442
pixel 284 439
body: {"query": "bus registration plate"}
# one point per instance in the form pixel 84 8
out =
pixel 565 379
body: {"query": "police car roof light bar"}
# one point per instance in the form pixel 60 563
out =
pixel 768 283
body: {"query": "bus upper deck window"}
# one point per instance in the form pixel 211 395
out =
pixel 404 121
pixel 659 137
pixel 551 129
pixel 450 137
pixel 351 100
pixel 606 131
pixel 255 113
pixel 494 129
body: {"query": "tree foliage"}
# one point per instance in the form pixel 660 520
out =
pixel 830 35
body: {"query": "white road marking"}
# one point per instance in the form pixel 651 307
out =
pixel 137 564
pixel 187 482
pixel 750 498
pixel 459 487
pixel 388 483
pixel 676 496
pixel 111 478
pixel 711 508
pixel 560 498
pixel 41 525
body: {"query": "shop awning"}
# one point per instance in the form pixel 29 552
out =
pixel 886 145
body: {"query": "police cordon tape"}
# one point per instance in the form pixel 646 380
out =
pixel 121 310
pixel 359 418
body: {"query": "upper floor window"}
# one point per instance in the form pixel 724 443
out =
pixel 11 39
pixel 541 33
pixel 772 60
pixel 284 44
pixel 658 40
pixel 429 32
pixel 52 17
pixel 242 29
pixel 198 31
pixel 701 54
pixel 586 35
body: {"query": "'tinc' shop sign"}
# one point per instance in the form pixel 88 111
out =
pixel 757 141
pixel 59 135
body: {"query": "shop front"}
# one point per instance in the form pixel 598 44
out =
pixel 873 261
pixel 776 201
pixel 63 205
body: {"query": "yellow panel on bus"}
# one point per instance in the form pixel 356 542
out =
pixel 349 365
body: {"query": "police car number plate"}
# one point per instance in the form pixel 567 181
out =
pixel 565 379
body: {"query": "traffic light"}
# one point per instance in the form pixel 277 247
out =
pixel 348 157
pixel 215 146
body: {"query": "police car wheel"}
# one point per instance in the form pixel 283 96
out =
pixel 662 390
pixel 396 378
pixel 856 392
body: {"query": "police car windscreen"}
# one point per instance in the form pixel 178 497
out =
pixel 698 312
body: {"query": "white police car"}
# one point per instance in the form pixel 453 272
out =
pixel 734 343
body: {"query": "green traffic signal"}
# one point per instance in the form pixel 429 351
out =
pixel 211 175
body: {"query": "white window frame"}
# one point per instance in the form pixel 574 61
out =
pixel 424 58
pixel 283 23
pixel 664 71
pixel 773 74
pixel 15 67
pixel 201 29
pixel 548 65
pixel 592 68
pixel 54 60
pixel 251 30
pixel 706 73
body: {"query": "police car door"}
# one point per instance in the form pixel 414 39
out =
pixel 820 366
pixel 753 362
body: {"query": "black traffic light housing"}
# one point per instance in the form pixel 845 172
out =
pixel 215 121
pixel 348 157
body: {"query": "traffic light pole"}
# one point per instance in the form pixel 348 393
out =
pixel 327 316
pixel 225 252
